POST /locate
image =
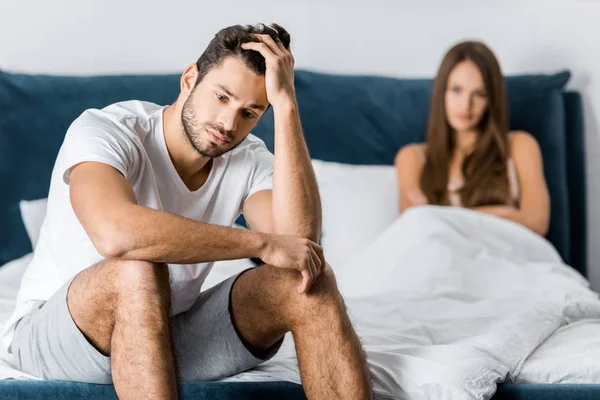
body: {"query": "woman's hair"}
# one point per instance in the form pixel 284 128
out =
pixel 485 169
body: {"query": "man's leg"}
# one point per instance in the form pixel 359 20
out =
pixel 122 308
pixel 265 306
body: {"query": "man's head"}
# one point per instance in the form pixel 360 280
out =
pixel 225 89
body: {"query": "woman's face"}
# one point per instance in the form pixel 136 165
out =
pixel 466 99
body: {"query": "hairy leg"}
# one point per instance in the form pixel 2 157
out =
pixel 122 308
pixel 332 363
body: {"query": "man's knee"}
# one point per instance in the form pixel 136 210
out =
pixel 117 290
pixel 97 293
pixel 323 302
pixel 135 278
pixel 326 283
pixel 144 294
pixel 111 279
pixel 324 293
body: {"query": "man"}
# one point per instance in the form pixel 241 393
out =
pixel 140 204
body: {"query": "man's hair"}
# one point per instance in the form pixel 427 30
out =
pixel 228 42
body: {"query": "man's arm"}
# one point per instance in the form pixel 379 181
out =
pixel 294 205
pixel 107 208
pixel 296 201
pixel 106 205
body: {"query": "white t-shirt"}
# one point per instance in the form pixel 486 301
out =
pixel 129 136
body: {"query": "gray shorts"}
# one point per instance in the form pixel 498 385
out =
pixel 48 344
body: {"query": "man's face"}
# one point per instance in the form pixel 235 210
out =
pixel 220 112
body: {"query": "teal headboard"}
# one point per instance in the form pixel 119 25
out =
pixel 351 119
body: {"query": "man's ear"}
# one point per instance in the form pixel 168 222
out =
pixel 188 79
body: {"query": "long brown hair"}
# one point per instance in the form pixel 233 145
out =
pixel 485 169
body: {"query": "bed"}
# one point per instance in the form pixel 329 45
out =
pixel 348 120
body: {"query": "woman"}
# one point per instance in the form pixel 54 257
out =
pixel 470 158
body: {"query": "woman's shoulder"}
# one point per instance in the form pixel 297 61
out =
pixel 523 146
pixel 411 152
pixel 521 142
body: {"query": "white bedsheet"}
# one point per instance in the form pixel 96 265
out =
pixel 10 278
pixel 448 302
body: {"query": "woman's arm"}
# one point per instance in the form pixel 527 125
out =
pixel 409 163
pixel 534 204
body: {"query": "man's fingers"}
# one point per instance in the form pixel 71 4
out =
pixel 282 47
pixel 276 41
pixel 309 269
pixel 313 272
pixel 268 40
pixel 319 250
pixel 316 263
pixel 262 48
pixel 305 284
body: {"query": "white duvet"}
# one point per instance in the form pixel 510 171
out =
pixel 448 302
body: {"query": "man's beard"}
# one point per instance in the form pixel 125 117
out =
pixel 195 133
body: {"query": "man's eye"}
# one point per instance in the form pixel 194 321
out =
pixel 248 114
pixel 220 97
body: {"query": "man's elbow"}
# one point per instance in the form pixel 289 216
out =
pixel 111 241
pixel 309 230
pixel 314 235
pixel 312 230
pixel 311 233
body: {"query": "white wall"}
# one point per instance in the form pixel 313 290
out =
pixel 400 38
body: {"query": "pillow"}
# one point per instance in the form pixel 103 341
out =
pixel 358 202
pixel 10 281
pixel 33 213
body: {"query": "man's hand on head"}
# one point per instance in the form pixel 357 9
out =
pixel 295 207
pixel 279 75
